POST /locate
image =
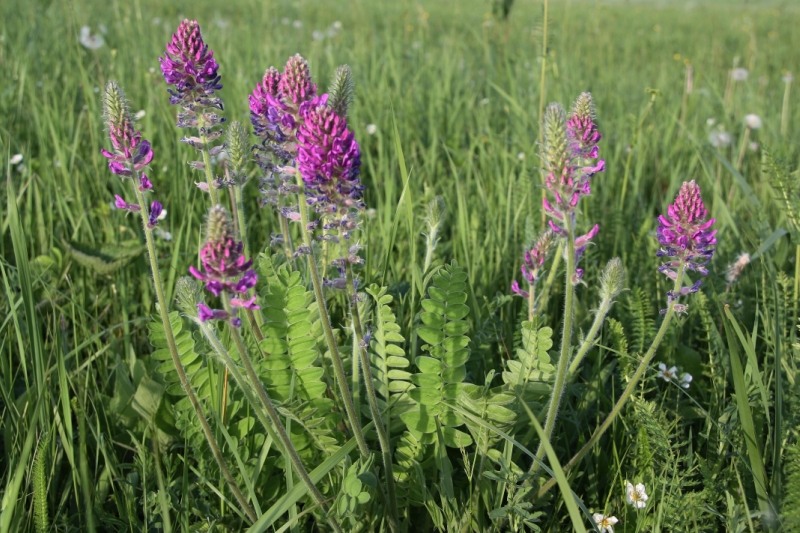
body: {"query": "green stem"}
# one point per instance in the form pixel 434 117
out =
pixel 254 384
pixel 325 320
pixel 372 399
pixel 626 394
pixel 785 109
pixel 542 85
pixel 588 342
pixel 566 341
pixel 176 361
pixel 531 301
pixel 212 189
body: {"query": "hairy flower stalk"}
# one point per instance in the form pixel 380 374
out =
pixel 686 238
pixel 571 160
pixel 127 160
pixel 304 137
pixel 190 69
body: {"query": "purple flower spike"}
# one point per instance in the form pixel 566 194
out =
pixel 571 157
pixel 295 85
pixel 533 261
pixel 328 155
pixel 224 268
pixel 686 237
pixel 189 66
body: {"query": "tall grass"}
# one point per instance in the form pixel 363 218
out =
pixel 454 95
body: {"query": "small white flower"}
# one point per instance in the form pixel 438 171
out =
pixel 686 380
pixel 787 78
pixel 521 156
pixel 636 495
pixel 162 234
pixel 317 35
pixel 739 74
pixel 16 159
pixel 90 40
pixel 139 115
pixel 710 121
pixel 604 523
pixel 719 139
pixel 372 129
pixel 484 101
pixel 297 24
pixel 735 269
pixel 752 121
pixel 336 25
pixel 667 374
pixel 753 146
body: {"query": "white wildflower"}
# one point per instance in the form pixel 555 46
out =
pixel 90 40
pixel 667 374
pixel 484 101
pixel 752 121
pixel 372 129
pixel 710 121
pixel 16 159
pixel 337 25
pixel 739 74
pixel 686 380
pixel 317 35
pixel 753 146
pixel 605 523
pixel 139 115
pixel 735 269
pixel 720 139
pixel 787 78
pixel 297 24
pixel 521 156
pixel 636 495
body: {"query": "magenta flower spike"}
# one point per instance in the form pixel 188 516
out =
pixel 328 156
pixel 686 239
pixel 571 159
pixel 224 269
pixel 533 262
pixel 130 153
pixel 189 66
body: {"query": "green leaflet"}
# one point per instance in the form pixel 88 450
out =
pixel 107 258
pixel 530 375
pixel 203 380
pixel 441 373
pixel 291 368
pixel 390 365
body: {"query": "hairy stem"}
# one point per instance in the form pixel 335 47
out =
pixel 588 342
pixel 566 341
pixel 273 424
pixel 372 399
pixel 176 361
pixel 626 394
pixel 325 320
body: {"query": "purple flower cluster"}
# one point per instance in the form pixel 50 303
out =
pixel 189 66
pixel 301 132
pixel 130 153
pixel 686 239
pixel 533 262
pixel 571 156
pixel 190 69
pixel 224 269
pixel 328 155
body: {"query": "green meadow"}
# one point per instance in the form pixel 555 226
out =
pixel 97 433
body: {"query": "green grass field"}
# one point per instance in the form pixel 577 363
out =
pixel 97 434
